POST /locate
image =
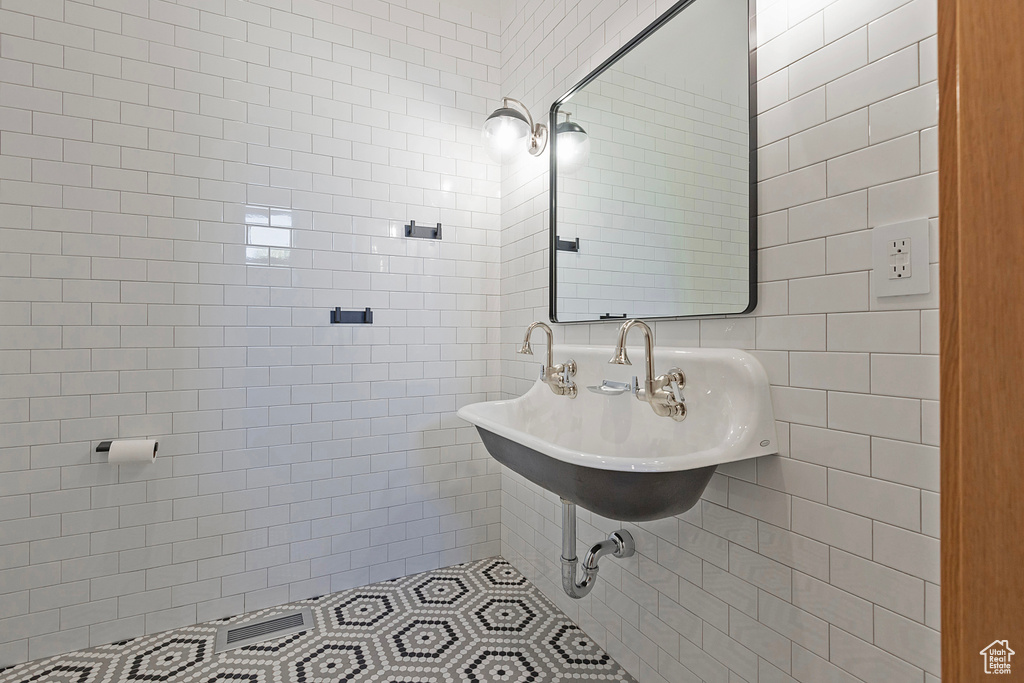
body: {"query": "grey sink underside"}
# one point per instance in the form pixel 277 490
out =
pixel 613 494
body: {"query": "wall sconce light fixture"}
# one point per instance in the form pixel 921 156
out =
pixel 572 144
pixel 510 130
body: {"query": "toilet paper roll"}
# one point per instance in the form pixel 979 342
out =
pixel 133 450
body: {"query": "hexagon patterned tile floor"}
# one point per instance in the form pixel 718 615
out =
pixel 479 622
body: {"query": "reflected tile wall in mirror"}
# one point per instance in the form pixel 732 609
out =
pixel 661 208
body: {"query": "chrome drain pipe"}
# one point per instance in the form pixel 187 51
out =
pixel 619 544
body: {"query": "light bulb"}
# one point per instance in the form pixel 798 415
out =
pixel 573 146
pixel 506 134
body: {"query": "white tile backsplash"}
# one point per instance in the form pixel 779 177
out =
pixel 835 59
pixel 830 139
pixel 792 570
pixel 878 164
pixel 908 25
pixel 792 116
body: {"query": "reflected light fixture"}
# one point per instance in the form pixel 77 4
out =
pixel 573 145
pixel 510 130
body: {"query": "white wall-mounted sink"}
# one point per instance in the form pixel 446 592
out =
pixel 610 453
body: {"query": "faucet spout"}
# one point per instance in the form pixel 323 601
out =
pixel 528 350
pixel 620 357
pixel 555 376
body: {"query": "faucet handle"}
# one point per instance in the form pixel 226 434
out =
pixel 568 387
pixel 675 407
pixel 676 380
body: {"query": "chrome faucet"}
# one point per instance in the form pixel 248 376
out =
pixel 555 376
pixel 662 392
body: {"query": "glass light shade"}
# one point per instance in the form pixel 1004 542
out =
pixel 573 147
pixel 506 134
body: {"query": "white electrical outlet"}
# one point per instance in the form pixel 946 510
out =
pixel 900 258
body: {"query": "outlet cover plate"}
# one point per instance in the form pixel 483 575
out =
pixel 882 237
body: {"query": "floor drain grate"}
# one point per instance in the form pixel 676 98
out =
pixel 231 636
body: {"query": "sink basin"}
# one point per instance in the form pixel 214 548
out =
pixel 610 453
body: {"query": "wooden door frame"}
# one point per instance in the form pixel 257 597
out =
pixel 981 216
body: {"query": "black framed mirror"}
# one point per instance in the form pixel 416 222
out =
pixel 653 174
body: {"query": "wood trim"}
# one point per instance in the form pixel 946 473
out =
pixel 981 187
pixel 949 345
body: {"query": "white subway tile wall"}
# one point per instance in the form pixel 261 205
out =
pixel 186 189
pixel 821 563
pixel 654 240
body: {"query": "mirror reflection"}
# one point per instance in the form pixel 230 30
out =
pixel 651 174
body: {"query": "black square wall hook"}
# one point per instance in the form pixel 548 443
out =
pixel 567 245
pixel 422 232
pixel 364 317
